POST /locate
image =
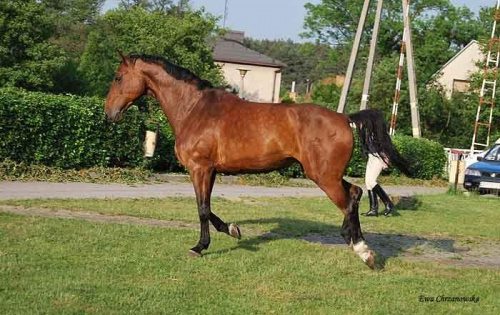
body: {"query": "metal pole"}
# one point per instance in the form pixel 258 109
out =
pixel 225 14
pixel 397 90
pixel 415 115
pixel 242 89
pixel 371 57
pixel 352 60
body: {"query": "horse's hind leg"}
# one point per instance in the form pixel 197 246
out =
pixel 346 197
pixel 354 236
pixel 221 226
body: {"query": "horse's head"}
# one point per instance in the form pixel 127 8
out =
pixel 128 85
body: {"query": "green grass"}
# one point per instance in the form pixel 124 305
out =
pixel 61 266
pixel 438 215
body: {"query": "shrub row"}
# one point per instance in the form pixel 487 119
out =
pixel 71 132
pixel 426 159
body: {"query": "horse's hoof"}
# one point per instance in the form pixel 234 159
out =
pixel 370 261
pixel 194 254
pixel 234 231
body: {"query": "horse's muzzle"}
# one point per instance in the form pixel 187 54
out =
pixel 115 117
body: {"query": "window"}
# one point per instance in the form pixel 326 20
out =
pixel 494 154
pixel 460 85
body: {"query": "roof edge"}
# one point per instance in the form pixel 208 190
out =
pixel 262 64
pixel 275 64
pixel 455 57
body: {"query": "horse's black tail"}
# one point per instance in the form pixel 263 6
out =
pixel 372 132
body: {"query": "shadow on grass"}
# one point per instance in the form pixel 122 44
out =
pixel 385 245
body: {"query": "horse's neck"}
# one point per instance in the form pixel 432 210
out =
pixel 177 98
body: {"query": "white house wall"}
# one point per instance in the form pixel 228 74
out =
pixel 260 82
pixel 460 68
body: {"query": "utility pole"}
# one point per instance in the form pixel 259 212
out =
pixel 225 14
pixel 415 116
pixel 371 57
pixel 352 59
pixel 397 90
pixel 412 80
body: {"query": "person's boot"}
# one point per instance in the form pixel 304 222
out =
pixel 373 205
pixel 389 206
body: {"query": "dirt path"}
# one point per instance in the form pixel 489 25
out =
pixel 454 252
pixel 30 190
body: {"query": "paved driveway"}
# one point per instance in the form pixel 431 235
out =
pixel 29 190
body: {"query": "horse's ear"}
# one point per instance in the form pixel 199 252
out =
pixel 124 59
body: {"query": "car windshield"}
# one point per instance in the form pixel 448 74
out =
pixel 494 154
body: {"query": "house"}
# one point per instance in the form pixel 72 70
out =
pixel 257 77
pixel 454 75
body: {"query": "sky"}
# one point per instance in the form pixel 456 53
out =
pixel 274 19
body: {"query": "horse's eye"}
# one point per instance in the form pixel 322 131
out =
pixel 118 78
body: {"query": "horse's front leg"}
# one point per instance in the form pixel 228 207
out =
pixel 203 177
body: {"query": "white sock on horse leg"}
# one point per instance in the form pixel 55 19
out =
pixel 362 250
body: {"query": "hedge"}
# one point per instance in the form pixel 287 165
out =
pixel 427 158
pixel 71 132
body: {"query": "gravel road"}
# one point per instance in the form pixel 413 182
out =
pixel 30 190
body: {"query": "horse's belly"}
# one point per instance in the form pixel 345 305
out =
pixel 251 157
pixel 257 143
pixel 254 165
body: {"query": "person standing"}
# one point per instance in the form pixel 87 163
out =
pixel 371 144
pixel 374 167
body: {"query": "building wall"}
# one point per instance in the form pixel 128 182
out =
pixel 259 84
pixel 456 74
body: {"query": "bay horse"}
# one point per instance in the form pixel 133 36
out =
pixel 216 131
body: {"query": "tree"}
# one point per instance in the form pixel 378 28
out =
pixel 162 5
pixel 306 61
pixel 167 6
pixel 73 20
pixel 27 58
pixel 130 4
pixel 439 31
pixel 183 40
pixel 335 21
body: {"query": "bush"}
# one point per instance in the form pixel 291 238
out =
pixel 426 158
pixel 71 132
pixel 326 95
pixel 357 164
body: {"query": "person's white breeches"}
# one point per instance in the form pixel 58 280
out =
pixel 374 166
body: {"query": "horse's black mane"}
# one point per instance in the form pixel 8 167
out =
pixel 177 72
